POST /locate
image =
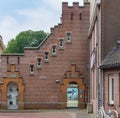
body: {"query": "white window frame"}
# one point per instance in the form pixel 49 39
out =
pixel 54 50
pixel 39 61
pixel 61 43
pixel 46 56
pixel 69 37
pixel 111 89
pixel 31 68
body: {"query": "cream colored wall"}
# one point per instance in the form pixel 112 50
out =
pixel 92 2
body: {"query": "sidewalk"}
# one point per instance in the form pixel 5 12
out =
pixel 66 113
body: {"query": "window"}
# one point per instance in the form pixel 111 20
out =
pixel 10 102
pixel 46 56
pixel 39 62
pixel 61 45
pixel 31 68
pixel 68 37
pixel 54 50
pixel 111 89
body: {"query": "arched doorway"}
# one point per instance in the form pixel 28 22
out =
pixel 12 96
pixel 73 89
pixel 72 95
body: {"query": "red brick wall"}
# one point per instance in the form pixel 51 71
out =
pixel 116 76
pixel 41 88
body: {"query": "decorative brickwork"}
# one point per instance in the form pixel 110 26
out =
pixel 74 76
pixel 12 76
pixel 43 85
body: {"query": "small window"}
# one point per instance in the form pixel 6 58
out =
pixel 31 69
pixel 11 90
pixel 10 102
pixel 39 62
pixel 68 37
pixel 61 45
pixel 46 56
pixel 54 50
pixel 111 90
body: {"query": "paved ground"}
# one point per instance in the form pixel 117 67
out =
pixel 70 113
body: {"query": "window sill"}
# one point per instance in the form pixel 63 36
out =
pixel 110 104
pixel 68 42
pixel 31 74
pixel 39 67
pixel 46 61
pixel 54 55
pixel 61 48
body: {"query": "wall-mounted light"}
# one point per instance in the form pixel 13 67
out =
pixel 57 81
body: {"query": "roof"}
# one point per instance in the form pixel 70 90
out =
pixel 112 60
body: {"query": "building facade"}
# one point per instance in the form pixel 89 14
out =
pixel 103 33
pixel 54 74
pixel 111 72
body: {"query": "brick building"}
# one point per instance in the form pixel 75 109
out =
pixel 111 69
pixel 54 74
pixel 104 32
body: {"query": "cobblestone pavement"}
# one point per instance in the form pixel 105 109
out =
pixel 70 113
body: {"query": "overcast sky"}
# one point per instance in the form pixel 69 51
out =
pixel 22 15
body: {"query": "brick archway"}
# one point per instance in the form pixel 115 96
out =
pixel 74 76
pixel 12 76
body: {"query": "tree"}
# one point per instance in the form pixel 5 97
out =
pixel 25 39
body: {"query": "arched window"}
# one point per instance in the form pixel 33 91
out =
pixel 54 49
pixel 31 69
pixel 39 65
pixel 68 37
pixel 46 56
pixel 61 44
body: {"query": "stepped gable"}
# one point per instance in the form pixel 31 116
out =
pixel 43 67
pixel 67 13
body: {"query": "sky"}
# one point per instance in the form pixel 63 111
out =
pixel 22 15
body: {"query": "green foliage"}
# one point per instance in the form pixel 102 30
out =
pixel 25 39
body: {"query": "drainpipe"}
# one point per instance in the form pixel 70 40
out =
pixel 98 59
pixel 102 77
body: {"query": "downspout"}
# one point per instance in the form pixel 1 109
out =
pixel 102 77
pixel 98 58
